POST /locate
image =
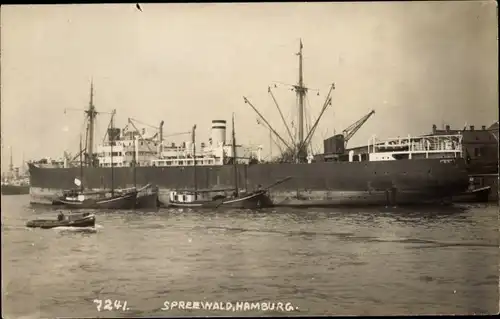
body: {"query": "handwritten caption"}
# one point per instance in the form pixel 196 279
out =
pixel 119 305
pixel 110 305
pixel 229 306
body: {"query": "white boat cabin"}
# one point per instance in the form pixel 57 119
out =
pixel 190 196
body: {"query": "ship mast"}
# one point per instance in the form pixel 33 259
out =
pixel 301 92
pixel 11 165
pixel 193 139
pixel 298 149
pixel 81 165
pixel 236 186
pixel 91 114
pixel 134 162
pixel 112 142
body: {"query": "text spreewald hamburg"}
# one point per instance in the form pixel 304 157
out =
pixel 229 306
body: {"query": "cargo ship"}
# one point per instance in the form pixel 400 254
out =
pixel 393 172
pixel 16 186
pixel 15 182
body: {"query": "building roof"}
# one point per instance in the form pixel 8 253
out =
pixel 494 126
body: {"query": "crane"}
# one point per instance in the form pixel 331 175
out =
pixel 353 128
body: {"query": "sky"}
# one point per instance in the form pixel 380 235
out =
pixel 414 63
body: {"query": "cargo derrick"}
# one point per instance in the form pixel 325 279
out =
pixel 139 133
pixel 296 150
pixel 158 137
pixel 160 140
pixel 269 125
pixel 271 140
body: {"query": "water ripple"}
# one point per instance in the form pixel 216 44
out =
pixel 324 262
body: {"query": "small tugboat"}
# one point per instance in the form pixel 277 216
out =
pixel 74 220
pixel 206 198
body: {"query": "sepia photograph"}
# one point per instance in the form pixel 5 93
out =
pixel 249 159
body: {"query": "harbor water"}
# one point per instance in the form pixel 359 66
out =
pixel 172 262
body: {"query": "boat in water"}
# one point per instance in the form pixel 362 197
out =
pixel 204 199
pixel 98 200
pixel 82 199
pixel 195 198
pixel 15 183
pixel 395 172
pixel 73 220
pixel 474 194
pixel 16 187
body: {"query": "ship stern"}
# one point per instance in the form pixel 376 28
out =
pixel 451 177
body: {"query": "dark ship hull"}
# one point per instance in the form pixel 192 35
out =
pixel 397 182
pixel 15 189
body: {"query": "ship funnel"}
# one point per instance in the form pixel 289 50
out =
pixel 218 132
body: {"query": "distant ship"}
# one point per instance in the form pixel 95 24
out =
pixel 15 182
pixel 16 187
pixel 400 171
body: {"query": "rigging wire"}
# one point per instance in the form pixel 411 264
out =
pixel 307 115
pixel 77 139
pixel 295 119
pixel 145 124
pixel 292 85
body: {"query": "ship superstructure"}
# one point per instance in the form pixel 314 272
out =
pixel 148 151
pixel 416 147
pixel 126 147
pixel 150 147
